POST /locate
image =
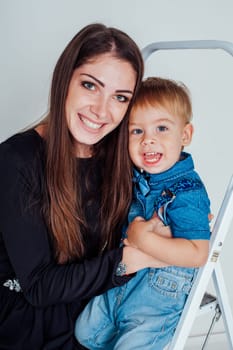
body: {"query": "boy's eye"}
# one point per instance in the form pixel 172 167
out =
pixel 136 131
pixel 122 98
pixel 162 128
pixel 88 85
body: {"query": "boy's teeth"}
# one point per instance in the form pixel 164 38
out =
pixel 152 156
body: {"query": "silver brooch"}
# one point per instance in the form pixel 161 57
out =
pixel 13 285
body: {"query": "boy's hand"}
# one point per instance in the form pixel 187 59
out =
pixel 159 228
pixel 139 228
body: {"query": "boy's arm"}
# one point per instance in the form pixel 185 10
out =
pixel 156 262
pixel 172 251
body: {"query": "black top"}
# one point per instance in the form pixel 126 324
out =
pixel 42 314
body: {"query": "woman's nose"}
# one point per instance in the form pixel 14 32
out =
pixel 100 107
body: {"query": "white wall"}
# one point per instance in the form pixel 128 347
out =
pixel 33 34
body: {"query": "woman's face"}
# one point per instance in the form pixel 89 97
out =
pixel 98 97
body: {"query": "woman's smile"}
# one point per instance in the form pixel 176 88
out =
pixel 90 124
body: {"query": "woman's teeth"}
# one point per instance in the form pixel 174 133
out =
pixel 90 124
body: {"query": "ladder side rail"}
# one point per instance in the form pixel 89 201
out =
pixel 222 224
pixel 191 308
pixel 224 303
pixel 220 229
pixel 227 46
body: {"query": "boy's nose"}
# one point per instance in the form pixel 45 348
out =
pixel 148 141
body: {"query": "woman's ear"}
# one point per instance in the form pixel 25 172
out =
pixel 187 134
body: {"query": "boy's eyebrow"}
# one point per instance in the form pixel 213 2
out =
pixel 161 120
pixel 103 85
pixel 133 123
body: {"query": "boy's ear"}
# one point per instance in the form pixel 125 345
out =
pixel 187 134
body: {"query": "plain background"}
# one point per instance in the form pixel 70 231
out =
pixel 34 33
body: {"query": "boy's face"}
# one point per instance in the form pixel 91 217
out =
pixel 156 138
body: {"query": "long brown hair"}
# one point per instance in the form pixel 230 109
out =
pixel 62 199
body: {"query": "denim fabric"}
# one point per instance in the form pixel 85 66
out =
pixel 144 313
pixel 178 196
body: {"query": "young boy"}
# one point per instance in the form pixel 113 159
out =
pixel 144 313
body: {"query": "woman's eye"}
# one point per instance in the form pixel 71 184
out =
pixel 162 128
pixel 122 98
pixel 88 85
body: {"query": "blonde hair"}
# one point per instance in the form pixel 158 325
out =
pixel 170 94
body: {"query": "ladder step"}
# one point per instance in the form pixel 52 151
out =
pixel 208 303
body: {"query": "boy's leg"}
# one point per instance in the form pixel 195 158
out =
pixel 149 315
pixel 94 327
pixel 153 333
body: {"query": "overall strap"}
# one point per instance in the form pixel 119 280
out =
pixel 169 194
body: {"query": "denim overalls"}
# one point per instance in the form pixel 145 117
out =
pixel 144 313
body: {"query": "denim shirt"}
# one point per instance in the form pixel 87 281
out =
pixel 177 195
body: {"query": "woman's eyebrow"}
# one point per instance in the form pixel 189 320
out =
pixel 92 77
pixel 125 91
pixel 103 85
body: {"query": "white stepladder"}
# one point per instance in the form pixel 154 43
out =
pixel 199 300
pixel 212 269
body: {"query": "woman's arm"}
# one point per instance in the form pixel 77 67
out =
pixel 25 243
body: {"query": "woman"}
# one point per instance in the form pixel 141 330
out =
pixel 63 198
